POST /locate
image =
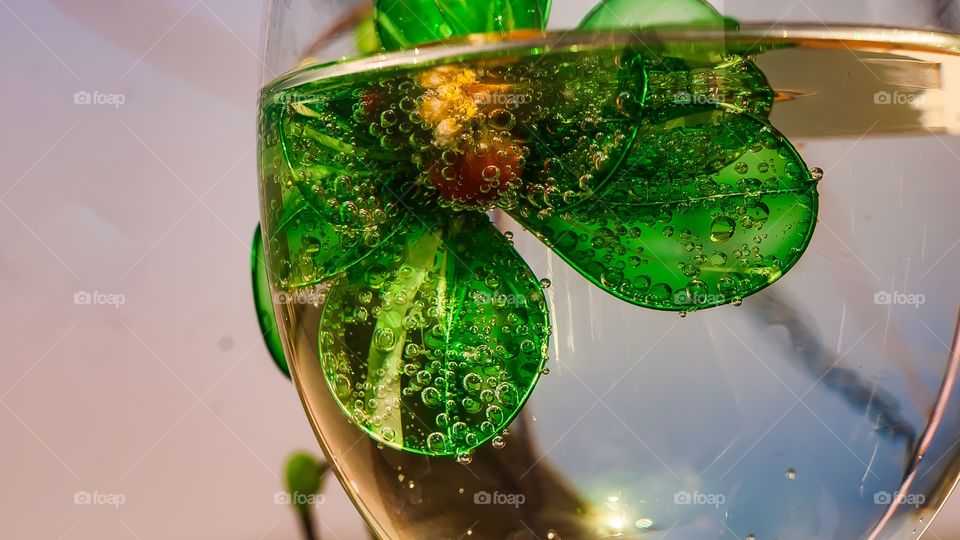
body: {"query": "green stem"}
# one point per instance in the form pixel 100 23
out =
pixel 307 521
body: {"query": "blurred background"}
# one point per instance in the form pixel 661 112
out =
pixel 134 374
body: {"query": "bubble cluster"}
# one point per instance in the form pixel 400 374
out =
pixel 331 200
pixel 653 171
pixel 711 207
pixel 433 345
pixel 584 129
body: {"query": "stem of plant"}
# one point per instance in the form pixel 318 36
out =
pixel 307 522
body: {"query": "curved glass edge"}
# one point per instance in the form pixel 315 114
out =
pixel 750 38
pixel 263 301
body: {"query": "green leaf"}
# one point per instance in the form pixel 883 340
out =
pixel 577 142
pixel 685 227
pixel 643 14
pixel 613 104
pixel 660 15
pixel 263 301
pixel 365 36
pixel 339 189
pixel 304 476
pixel 406 23
pixel 434 344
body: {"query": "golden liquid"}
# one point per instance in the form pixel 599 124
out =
pixel 624 423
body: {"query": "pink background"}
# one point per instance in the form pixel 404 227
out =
pixel 168 401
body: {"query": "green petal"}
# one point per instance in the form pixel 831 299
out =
pixel 586 132
pixel 434 344
pixel 679 143
pixel 334 195
pixel 650 15
pixel 662 238
pixel 263 300
pixel 736 85
pixel 405 23
pixel 613 105
pixel 643 14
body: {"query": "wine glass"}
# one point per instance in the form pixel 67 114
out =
pixel 820 404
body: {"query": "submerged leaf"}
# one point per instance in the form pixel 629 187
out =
pixel 687 226
pixel 340 189
pixel 433 344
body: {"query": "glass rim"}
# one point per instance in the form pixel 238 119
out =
pixel 749 36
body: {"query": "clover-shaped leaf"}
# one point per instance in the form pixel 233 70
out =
pixel 651 168
pixel 433 344
pixel 662 238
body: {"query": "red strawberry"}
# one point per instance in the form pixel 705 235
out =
pixel 479 175
pixel 371 102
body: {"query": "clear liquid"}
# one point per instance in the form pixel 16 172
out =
pixel 797 415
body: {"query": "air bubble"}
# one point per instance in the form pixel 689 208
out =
pixel 472 382
pixel 722 229
pixel 431 397
pixel 502 119
pixel 385 339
